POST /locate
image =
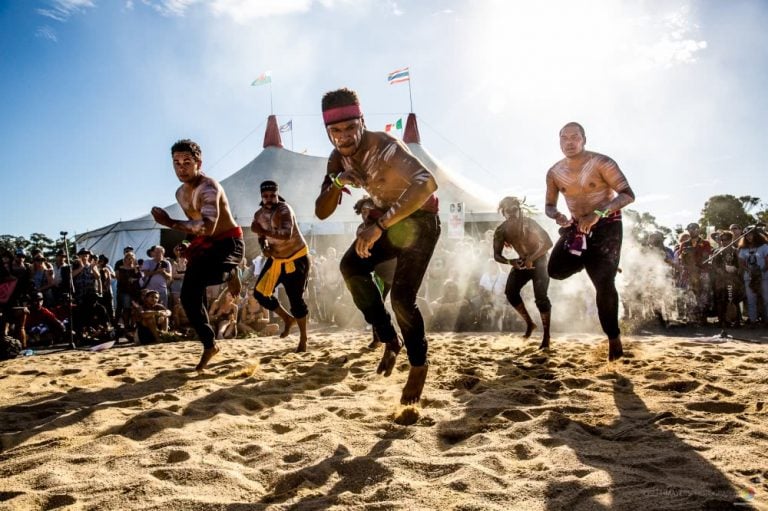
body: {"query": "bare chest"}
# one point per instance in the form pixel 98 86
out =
pixel 579 181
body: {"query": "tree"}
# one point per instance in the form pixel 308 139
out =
pixel 721 211
pixel 644 223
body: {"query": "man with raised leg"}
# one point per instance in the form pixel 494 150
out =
pixel 217 246
pixel 595 190
pixel 531 243
pixel 287 261
pixel 402 187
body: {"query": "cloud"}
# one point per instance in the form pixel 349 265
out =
pixel 61 10
pixel 396 10
pixel 47 32
pixel 243 11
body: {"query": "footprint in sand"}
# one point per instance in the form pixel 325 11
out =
pixel 280 429
pixel 716 407
pixel 57 501
pixel 117 371
pixel 577 383
pixel 293 457
pixel 676 386
pixel 516 415
pixel 178 456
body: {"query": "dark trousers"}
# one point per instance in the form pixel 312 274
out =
pixel 601 260
pixel 519 278
pixel 207 268
pixel 411 242
pixel 295 284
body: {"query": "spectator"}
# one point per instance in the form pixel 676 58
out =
pixel 151 317
pixel 753 262
pixel 157 273
pixel 128 288
pixel 43 327
pixel 728 286
pixel 693 254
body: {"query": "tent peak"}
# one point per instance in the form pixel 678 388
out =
pixel 272 133
pixel 411 134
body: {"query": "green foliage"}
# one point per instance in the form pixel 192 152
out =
pixel 723 210
pixel 10 243
pixel 644 224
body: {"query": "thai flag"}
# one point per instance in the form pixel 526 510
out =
pixel 399 76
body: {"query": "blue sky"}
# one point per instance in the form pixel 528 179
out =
pixel 94 92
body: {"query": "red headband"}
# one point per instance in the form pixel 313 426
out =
pixel 341 113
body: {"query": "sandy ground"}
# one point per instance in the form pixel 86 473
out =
pixel 681 423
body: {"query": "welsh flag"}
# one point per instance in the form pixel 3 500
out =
pixel 395 125
pixel 263 79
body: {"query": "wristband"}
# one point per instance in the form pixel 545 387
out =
pixel 601 214
pixel 378 224
pixel 336 182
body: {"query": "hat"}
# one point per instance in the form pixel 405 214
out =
pixel 147 292
pixel 268 186
pixel 84 251
pixel 38 296
pixel 128 249
pixel 734 226
pixel 20 252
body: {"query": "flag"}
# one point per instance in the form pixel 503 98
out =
pixel 399 76
pixel 288 126
pixel 398 125
pixel 263 79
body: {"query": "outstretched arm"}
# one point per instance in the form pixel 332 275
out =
pixel 208 196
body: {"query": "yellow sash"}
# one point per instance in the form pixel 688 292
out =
pixel 266 286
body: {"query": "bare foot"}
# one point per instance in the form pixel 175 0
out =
pixel 415 385
pixel 288 325
pixel 206 357
pixel 302 347
pixel 615 350
pixel 388 358
pixel 529 330
pixel 544 343
pixel 233 284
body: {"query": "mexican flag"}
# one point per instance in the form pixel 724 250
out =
pixel 395 125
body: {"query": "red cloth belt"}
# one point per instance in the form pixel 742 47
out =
pixel 200 244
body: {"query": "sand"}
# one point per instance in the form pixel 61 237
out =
pixel 681 423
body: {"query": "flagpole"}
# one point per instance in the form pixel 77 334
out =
pixel 271 109
pixel 410 96
pixel 291 134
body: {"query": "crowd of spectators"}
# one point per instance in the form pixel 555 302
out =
pixel 720 279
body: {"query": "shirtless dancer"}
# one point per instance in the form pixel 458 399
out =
pixel 595 190
pixel 287 261
pixel 216 250
pixel 407 231
pixel 531 243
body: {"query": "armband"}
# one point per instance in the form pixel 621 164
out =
pixel 601 214
pixel 336 182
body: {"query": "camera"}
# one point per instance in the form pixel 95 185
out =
pixel 63 233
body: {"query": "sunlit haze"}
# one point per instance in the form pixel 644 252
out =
pixel 94 93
